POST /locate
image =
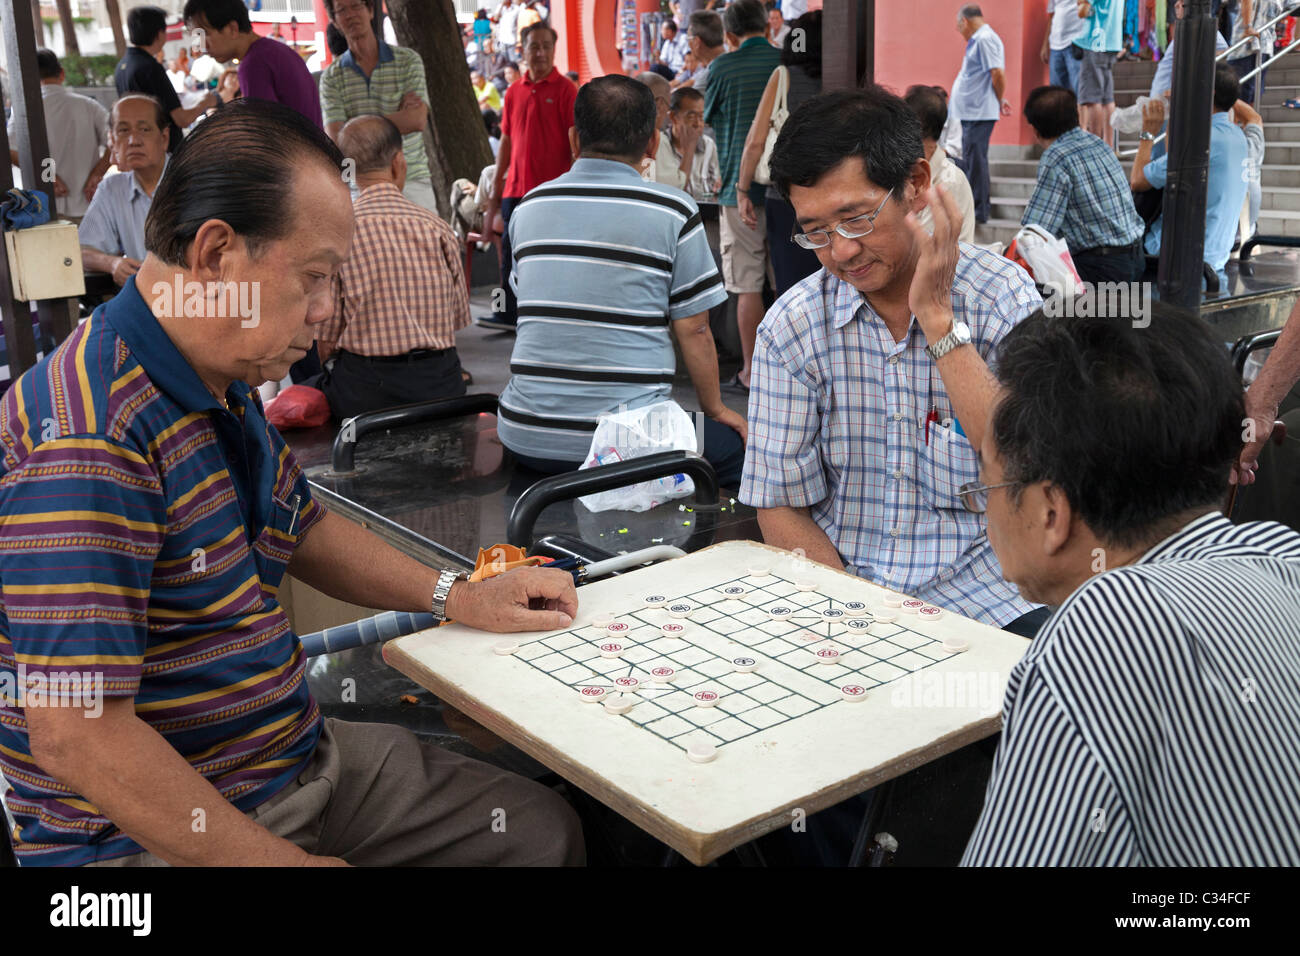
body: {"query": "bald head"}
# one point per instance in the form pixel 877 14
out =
pixel 371 142
pixel 662 91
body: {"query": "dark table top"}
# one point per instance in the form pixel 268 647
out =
pixel 440 491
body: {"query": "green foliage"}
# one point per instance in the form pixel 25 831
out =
pixel 94 70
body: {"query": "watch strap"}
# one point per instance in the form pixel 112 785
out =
pixel 446 578
pixel 959 334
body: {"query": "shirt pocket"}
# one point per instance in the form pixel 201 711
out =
pixel 275 544
pixel 947 463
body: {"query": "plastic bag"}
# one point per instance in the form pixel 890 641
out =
pixel 298 406
pixel 1048 259
pixel 663 426
pixel 1128 120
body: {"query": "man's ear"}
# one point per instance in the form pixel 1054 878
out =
pixel 212 246
pixel 652 149
pixel 920 180
pixel 575 146
pixel 1057 516
pixel 399 169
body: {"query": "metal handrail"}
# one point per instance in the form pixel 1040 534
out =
pixel 1223 56
pixel 351 431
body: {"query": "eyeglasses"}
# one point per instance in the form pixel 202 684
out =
pixel 854 228
pixel 976 496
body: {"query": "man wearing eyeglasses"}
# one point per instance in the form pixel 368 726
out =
pixel 871 387
pixel 1153 720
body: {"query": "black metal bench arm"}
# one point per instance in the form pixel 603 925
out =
pixel 343 455
pixel 1242 348
pixel 1247 247
pixel 530 505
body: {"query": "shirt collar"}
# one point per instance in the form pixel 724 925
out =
pixel 132 319
pixel 385 55
pixel 1186 542
pixel 138 190
pixel 752 41
pixel 606 168
pixel 548 78
pixel 848 303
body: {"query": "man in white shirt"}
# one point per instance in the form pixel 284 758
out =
pixel 687 157
pixel 777 27
pixel 77 131
pixel 1062 67
pixel 673 50
pixel 979 100
pixel 507 18
pixel 931 108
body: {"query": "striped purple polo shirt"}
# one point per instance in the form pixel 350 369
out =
pixel 144 533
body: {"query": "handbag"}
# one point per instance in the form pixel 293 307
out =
pixel 780 111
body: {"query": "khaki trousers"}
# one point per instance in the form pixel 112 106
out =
pixel 376 795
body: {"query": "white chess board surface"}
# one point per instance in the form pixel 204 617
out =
pixel 711 697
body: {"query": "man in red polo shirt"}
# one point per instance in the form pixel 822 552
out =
pixel 535 123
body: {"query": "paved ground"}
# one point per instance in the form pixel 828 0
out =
pixel 486 354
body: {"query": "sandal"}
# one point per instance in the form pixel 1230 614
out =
pixel 736 385
pixel 465 377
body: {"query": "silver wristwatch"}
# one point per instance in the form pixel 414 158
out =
pixel 960 335
pixel 440 591
pixel 1146 137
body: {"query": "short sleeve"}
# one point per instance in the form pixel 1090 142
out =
pixel 163 89
pixel 507 119
pixel 82 521
pixel 696 285
pixel 783 467
pixel 1157 172
pixel 98 230
pixel 994 57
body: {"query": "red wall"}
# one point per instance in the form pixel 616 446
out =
pixel 917 42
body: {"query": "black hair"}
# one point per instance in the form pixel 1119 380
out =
pixel 683 93
pixel 492 122
pixel 335 40
pixel 47 64
pixel 1135 424
pixel 671 24
pixel 143 24
pixel 329 7
pixel 806 33
pixel 930 109
pixel 1052 111
pixel 871 123
pixel 1227 88
pixel 539 25
pixel 572 75
pixel 615 116
pixel 742 17
pixel 237 166
pixel 218 13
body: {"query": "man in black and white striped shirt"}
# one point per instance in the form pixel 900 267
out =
pixel 1155 719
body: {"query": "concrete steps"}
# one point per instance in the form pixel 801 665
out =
pixel 1014 171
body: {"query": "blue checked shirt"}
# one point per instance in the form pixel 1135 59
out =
pixel 837 414
pixel 1083 194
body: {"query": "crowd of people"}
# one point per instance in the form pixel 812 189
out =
pixel 913 418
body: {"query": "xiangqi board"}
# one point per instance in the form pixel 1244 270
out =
pixel 708 697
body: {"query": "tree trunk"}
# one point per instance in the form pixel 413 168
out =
pixel 70 47
pixel 115 21
pixel 38 24
pixel 455 139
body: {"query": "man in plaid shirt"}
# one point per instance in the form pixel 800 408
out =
pixel 871 388
pixel 1082 194
pixel 400 296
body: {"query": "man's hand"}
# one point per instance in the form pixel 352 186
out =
pixel 1262 418
pixel 745 207
pixel 92 183
pixel 315 861
pixel 411 100
pixel 123 268
pixel 1153 116
pixel 735 420
pixel 1085 9
pixel 1006 107
pixel 60 187
pixel 930 295
pixel 526 599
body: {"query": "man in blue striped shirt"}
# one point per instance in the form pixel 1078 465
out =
pixel 1082 194
pixel 871 385
pixel 605 265
pixel 1155 720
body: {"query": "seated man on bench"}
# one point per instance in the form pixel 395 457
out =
pixel 148 515
pixel 1153 720
pixel 605 265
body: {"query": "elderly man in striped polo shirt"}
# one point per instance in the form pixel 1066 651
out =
pixel 1154 719
pixel 153 698
pixel 605 265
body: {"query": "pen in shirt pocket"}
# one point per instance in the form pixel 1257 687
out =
pixel 932 417
pixel 297 504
